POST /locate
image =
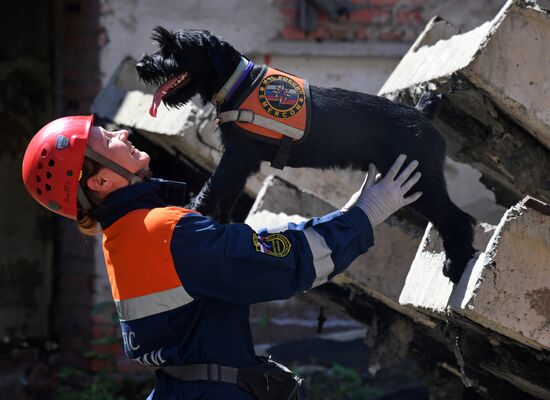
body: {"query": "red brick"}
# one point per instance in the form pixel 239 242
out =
pixel 383 2
pixel 392 36
pixel 292 33
pixel 321 33
pixel 290 15
pixel 370 15
pixel 361 33
pixel 408 16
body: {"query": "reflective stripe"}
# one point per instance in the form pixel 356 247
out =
pixel 150 304
pixel 257 119
pixel 321 256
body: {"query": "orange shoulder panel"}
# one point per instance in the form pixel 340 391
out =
pixel 137 252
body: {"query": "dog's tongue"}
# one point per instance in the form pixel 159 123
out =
pixel 159 94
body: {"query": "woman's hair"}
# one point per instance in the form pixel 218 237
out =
pixel 88 224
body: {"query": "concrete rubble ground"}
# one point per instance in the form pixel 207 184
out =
pixel 492 329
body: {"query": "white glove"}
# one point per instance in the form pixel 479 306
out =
pixel 381 199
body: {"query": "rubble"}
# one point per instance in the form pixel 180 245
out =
pixel 497 309
pixel 495 110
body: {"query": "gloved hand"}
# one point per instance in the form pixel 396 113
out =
pixel 381 199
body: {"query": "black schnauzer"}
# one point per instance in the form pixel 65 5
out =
pixel 346 129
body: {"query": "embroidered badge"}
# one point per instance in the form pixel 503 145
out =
pixel 276 244
pixel 281 96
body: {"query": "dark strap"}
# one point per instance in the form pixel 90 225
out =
pixel 203 372
pixel 132 178
pixel 283 153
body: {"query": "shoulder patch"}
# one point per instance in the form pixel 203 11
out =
pixel 276 244
pixel 281 96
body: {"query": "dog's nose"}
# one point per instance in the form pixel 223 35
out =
pixel 140 66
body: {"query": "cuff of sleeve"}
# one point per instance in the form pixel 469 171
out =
pixel 360 222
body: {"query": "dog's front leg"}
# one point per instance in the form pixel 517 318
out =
pixel 227 181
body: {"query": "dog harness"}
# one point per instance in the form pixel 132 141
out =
pixel 275 109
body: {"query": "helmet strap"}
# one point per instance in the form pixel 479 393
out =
pixel 138 177
pixel 132 178
pixel 83 200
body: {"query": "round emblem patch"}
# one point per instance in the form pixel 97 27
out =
pixel 281 96
pixel 276 244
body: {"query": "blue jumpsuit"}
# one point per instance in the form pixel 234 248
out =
pixel 183 283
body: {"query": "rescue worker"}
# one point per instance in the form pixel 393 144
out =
pixel 181 282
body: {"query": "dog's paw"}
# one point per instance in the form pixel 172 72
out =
pixel 452 271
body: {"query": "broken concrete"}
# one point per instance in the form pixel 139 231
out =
pixel 502 57
pixel 426 289
pixel 488 114
pixel 505 289
pixel 509 288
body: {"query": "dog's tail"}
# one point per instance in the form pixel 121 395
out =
pixel 428 104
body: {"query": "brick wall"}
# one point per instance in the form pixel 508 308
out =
pixel 79 39
pixel 357 20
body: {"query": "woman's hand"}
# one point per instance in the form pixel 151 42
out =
pixel 381 199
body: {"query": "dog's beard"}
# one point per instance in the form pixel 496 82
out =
pixel 168 89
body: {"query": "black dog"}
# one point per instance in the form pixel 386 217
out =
pixel 347 129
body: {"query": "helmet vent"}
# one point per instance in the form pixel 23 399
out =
pixel 44 153
pixel 38 191
pixel 48 175
pixel 38 179
pixel 48 187
pixel 51 162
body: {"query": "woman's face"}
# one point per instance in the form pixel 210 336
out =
pixel 116 147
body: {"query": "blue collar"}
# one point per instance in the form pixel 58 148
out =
pixel 149 194
pixel 234 81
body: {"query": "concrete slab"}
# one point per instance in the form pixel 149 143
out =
pixel 507 58
pixel 426 289
pixel 509 288
pixel 505 289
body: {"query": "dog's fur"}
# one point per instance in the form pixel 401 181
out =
pixel 348 129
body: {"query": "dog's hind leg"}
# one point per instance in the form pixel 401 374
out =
pixel 454 225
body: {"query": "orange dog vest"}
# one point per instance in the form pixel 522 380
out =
pixel 277 107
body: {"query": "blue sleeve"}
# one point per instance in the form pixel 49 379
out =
pixel 236 264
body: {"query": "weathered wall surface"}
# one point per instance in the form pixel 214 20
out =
pixel 25 229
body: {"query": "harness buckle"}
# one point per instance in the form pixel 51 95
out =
pixel 214 373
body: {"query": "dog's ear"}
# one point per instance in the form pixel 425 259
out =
pixel 163 36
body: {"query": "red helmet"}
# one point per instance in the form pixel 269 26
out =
pixel 53 161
